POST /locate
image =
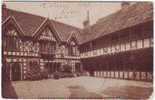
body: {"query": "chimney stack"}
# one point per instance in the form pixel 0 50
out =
pixel 86 23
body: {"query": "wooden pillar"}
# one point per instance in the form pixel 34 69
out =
pixel 21 69
pixel 10 72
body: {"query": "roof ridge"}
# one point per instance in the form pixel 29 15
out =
pixel 119 20
pixel 31 22
pixel 27 13
pixel 65 24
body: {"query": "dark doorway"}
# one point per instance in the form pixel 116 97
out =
pixel 77 67
pixel 50 67
pixel 16 72
pixel 58 65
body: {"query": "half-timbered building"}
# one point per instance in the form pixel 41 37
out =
pixel 117 46
pixel 121 44
pixel 31 41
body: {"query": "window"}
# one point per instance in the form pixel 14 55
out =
pixel 113 49
pixel 90 53
pixel 101 51
pixel 28 46
pixel 47 35
pixel 122 47
pixel 139 44
pixel 36 47
pixel 117 48
pixel 134 44
pixel 151 42
pixel 94 52
pixel 21 45
pixel 146 43
pixel 128 46
pixel 105 50
pixel 11 40
pixel 109 49
pixel 72 49
pixel 12 32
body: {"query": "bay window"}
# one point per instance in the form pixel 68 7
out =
pixel 47 47
pixel 11 40
pixel 73 49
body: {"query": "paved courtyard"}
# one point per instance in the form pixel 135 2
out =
pixel 82 87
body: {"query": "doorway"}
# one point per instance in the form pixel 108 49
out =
pixel 16 71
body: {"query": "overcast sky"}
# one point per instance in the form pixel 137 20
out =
pixel 73 13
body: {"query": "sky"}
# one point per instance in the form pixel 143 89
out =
pixel 72 13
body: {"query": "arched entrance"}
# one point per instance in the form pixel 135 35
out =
pixel 16 72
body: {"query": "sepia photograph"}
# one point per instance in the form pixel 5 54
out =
pixel 77 50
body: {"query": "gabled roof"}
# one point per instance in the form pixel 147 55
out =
pixel 11 20
pixel 30 23
pixel 45 24
pixel 64 29
pixel 73 37
pixel 135 14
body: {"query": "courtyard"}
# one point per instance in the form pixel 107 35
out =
pixel 79 87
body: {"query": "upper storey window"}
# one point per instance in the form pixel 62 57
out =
pixel 73 49
pixel 47 41
pixel 47 35
pixel 11 39
pixel 12 32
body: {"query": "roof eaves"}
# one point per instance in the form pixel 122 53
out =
pixel 6 20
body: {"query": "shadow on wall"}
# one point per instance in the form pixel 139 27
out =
pixel 8 90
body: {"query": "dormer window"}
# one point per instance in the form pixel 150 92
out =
pixel 47 35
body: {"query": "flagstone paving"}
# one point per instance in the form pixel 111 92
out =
pixel 83 87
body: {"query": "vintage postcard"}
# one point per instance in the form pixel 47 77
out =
pixel 77 50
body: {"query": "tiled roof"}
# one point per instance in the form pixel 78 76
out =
pixel 64 29
pixel 127 17
pixel 30 23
